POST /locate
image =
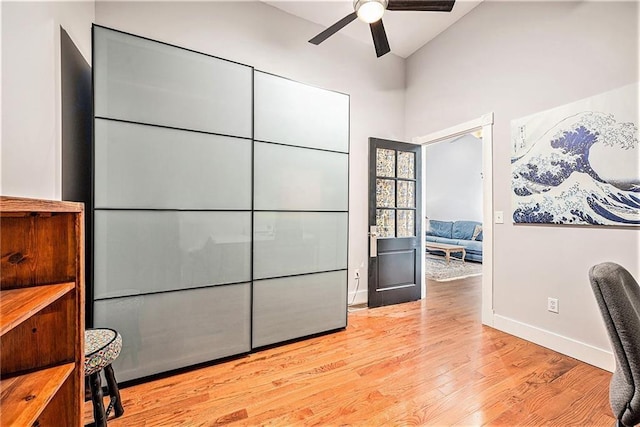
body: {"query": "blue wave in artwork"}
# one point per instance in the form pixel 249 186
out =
pixel 574 144
pixel 602 211
pixel 630 201
pixel 532 214
pixel 554 182
pixel 578 143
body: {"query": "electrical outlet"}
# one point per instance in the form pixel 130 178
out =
pixel 552 305
pixel 356 273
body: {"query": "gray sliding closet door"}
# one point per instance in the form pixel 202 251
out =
pixel 220 205
pixel 173 202
pixel 300 210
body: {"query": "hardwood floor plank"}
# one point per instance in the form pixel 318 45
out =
pixel 428 362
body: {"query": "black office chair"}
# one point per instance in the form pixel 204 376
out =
pixel 618 296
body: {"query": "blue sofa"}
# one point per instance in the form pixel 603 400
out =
pixel 459 233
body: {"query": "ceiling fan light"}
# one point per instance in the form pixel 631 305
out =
pixel 370 11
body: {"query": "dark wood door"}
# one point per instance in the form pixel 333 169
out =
pixel 395 222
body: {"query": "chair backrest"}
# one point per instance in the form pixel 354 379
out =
pixel 618 296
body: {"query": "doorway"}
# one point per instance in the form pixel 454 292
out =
pixel 485 125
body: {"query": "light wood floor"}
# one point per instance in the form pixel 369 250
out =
pixel 429 362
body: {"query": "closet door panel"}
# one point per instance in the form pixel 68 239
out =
pixel 154 251
pixel 171 330
pixel 287 243
pixel 298 306
pixel 293 113
pixel 139 166
pixel 144 81
pixel 291 178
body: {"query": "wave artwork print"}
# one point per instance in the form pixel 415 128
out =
pixel 579 163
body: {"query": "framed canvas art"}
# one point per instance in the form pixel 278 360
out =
pixel 579 163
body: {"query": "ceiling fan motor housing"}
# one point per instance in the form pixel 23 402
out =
pixel 370 11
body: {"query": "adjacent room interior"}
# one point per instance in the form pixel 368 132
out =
pixel 454 193
pixel 221 275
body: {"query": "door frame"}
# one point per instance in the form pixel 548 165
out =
pixel 485 124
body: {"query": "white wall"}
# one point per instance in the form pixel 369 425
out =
pixel 248 32
pixel 31 132
pixel 528 57
pixel 453 179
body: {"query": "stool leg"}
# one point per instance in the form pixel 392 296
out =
pixel 87 389
pixel 114 391
pixel 99 415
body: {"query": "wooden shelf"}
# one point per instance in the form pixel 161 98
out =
pixel 17 305
pixel 41 312
pixel 24 397
pixel 19 204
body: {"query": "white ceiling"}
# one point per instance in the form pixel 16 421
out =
pixel 406 31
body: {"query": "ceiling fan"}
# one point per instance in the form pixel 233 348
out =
pixel 371 11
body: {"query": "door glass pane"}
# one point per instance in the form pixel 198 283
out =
pixel 406 194
pixel 293 113
pixel 144 81
pixel 172 330
pixel 154 251
pixel 385 193
pixel 320 182
pixel 287 243
pixel 141 166
pixel 405 223
pixel 385 162
pixel 386 222
pixel 406 165
pixel 293 307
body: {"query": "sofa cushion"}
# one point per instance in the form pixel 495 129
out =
pixel 436 239
pixel 440 228
pixel 463 229
pixel 471 246
pixel 479 238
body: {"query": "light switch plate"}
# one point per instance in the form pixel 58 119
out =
pixel 498 217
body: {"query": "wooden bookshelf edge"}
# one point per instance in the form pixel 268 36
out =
pixel 21 204
pixel 24 397
pixel 18 305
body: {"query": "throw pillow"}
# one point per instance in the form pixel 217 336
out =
pixel 476 232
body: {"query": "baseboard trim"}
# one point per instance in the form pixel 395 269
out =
pixel 362 297
pixel 578 350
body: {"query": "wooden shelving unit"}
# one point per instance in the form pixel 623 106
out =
pixel 41 312
pixel 29 394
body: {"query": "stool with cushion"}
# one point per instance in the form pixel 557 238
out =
pixel 101 348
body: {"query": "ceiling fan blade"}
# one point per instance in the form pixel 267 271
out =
pixel 421 5
pixel 333 29
pixel 379 38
